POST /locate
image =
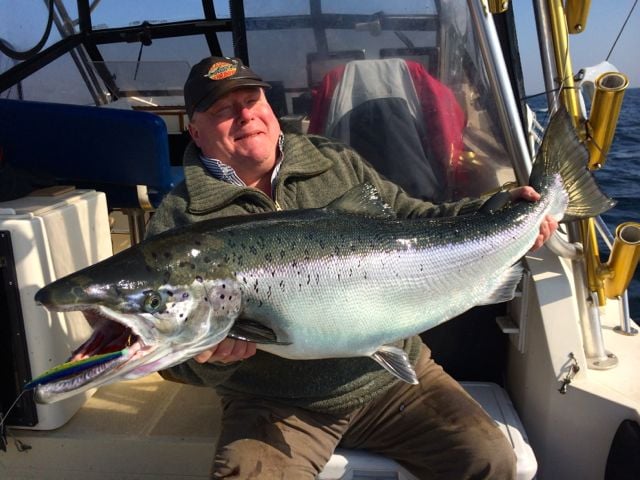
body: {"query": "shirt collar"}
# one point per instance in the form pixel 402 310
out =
pixel 224 172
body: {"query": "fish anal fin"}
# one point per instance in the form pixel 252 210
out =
pixel 396 362
pixel 362 199
pixel 505 285
pixel 252 331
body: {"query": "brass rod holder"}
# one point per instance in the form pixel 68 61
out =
pixel 564 68
pixel 603 117
pixel 577 12
pixel 623 259
pixel 498 6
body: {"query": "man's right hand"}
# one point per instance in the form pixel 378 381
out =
pixel 227 351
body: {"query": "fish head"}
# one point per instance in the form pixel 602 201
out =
pixel 154 310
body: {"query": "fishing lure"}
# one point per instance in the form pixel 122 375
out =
pixel 70 368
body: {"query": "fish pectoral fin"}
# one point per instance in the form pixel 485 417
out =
pixel 396 362
pixel 252 331
pixel 505 285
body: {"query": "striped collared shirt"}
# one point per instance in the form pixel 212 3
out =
pixel 224 172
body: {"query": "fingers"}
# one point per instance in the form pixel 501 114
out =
pixel 227 351
pixel 547 228
pixel 524 193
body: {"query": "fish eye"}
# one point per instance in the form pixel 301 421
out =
pixel 153 302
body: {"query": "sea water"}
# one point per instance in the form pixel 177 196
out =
pixel 620 176
pixel 620 179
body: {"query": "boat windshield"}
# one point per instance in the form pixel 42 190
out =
pixel 403 83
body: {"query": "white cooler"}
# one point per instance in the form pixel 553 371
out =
pixel 51 236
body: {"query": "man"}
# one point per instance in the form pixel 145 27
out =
pixel 284 418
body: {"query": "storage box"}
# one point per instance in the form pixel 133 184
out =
pixel 44 238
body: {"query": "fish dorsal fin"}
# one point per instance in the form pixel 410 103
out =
pixel 362 199
pixel 252 331
pixel 396 362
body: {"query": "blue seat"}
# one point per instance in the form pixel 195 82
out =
pixel 123 153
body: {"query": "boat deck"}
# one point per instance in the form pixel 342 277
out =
pixel 147 428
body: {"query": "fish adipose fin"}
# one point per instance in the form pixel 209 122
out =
pixel 396 362
pixel 362 199
pixel 562 152
pixel 505 286
pixel 252 331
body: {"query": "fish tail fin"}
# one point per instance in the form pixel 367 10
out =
pixel 563 153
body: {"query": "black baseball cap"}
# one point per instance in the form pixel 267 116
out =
pixel 214 77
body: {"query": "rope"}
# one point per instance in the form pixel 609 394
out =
pixel 621 29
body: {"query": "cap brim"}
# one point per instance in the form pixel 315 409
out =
pixel 221 91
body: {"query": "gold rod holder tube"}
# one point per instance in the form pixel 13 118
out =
pixel 623 259
pixel 577 12
pixel 592 260
pixel 498 6
pixel 564 68
pixel 603 117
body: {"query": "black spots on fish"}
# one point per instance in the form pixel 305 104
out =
pixel 199 279
pixel 269 292
pixel 222 295
pixel 185 295
pixel 307 255
pixel 154 255
pixel 308 279
pixel 198 243
pixel 273 273
pixel 207 259
pixel 282 254
pixel 268 257
pixel 253 250
pixel 317 279
pixel 167 255
pixel 260 304
pixel 185 264
pixel 282 285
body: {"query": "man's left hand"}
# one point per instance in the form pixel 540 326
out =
pixel 548 226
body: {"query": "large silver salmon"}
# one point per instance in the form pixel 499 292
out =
pixel 342 281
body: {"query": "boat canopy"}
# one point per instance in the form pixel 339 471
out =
pixel 420 88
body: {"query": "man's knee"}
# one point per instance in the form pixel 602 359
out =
pixel 492 458
pixel 252 459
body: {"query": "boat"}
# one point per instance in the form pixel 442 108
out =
pixel 92 129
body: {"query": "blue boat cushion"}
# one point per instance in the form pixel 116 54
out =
pixel 107 149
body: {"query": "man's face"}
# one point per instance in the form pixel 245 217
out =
pixel 240 130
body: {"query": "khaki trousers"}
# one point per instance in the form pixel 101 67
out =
pixel 434 429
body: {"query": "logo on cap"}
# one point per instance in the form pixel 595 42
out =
pixel 221 70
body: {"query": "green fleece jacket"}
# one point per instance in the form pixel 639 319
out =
pixel 314 171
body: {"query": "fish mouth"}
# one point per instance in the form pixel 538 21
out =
pixel 121 347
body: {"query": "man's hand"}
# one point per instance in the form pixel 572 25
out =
pixel 227 351
pixel 548 226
